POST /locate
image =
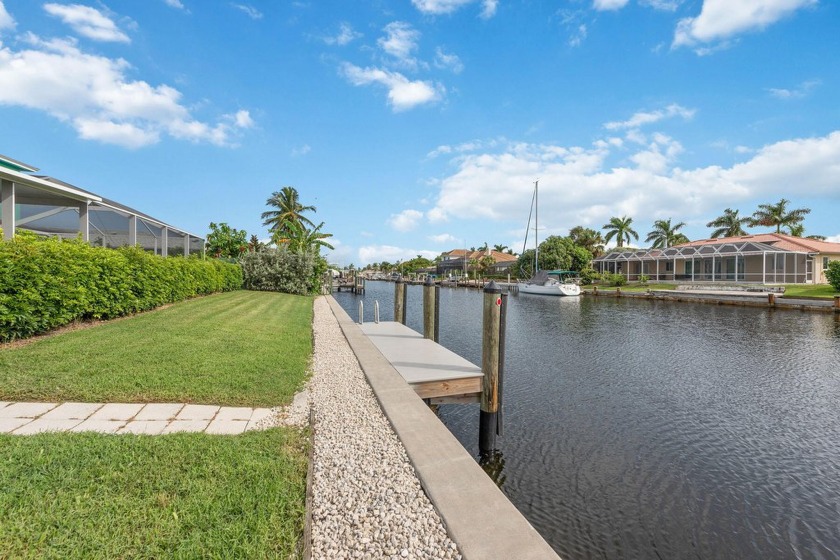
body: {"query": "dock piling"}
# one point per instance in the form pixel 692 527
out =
pixel 400 290
pixel 837 303
pixel 431 310
pixel 361 312
pixel 492 361
pixel 376 311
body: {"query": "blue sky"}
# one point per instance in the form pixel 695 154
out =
pixel 419 126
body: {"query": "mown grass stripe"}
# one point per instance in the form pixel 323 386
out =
pixel 238 348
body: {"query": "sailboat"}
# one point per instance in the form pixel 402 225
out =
pixel 546 282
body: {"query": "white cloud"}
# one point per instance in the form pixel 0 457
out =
pixel 464 147
pixel 301 151
pixel 403 94
pixel 345 35
pixel 578 36
pixel 643 118
pixel 444 238
pixel 87 21
pixel 588 185
pixel 802 90
pixel 378 253
pixel 441 7
pixel 833 238
pixel 406 220
pixel 94 95
pixel 6 20
pixel 242 119
pixel 400 42
pixel 488 8
pixel 720 20
pixel 175 4
pixel 608 5
pixel 250 11
pixel 664 5
pixel 445 60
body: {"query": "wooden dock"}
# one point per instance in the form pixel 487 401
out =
pixel 434 372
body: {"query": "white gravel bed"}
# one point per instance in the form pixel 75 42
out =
pixel 366 499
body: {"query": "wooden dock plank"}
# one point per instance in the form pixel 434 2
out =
pixel 431 369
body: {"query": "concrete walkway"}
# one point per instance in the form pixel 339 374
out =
pixel 25 418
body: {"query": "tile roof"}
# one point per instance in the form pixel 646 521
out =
pixel 778 240
pixel 500 257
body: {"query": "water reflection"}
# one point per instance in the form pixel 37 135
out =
pixel 643 429
pixel 493 463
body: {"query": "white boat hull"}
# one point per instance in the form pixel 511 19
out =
pixel 550 290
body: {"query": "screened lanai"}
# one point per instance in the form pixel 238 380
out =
pixel 747 261
pixel 48 206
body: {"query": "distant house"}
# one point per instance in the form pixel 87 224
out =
pixel 766 258
pixel 456 261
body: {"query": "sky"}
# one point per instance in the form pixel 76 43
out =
pixel 420 126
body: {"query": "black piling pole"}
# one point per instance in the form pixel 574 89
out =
pixel 491 355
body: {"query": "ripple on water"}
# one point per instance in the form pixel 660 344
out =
pixel 645 429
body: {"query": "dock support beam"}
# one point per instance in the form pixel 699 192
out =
pixel 431 310
pixel 492 365
pixel 400 289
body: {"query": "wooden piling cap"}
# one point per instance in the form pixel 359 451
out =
pixel 492 288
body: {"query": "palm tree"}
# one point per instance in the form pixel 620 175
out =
pixel 728 225
pixel 299 239
pixel 589 239
pixel 665 235
pixel 620 229
pixel 778 215
pixel 289 211
pixel 499 248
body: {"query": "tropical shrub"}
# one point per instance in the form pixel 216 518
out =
pixel 48 283
pixel 832 274
pixel 615 279
pixel 644 279
pixel 589 276
pixel 280 270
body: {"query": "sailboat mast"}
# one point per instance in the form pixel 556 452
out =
pixel 537 226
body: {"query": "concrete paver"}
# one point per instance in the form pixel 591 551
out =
pixel 72 411
pixel 147 427
pixel 128 418
pixel 197 412
pixel 47 425
pixel 227 427
pixel 8 425
pixel 234 413
pixel 117 411
pixel 159 411
pixel 259 414
pixel 26 410
pixel 101 426
pixel 186 426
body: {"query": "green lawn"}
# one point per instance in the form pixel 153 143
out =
pixel 173 496
pixel 238 348
pixel 821 291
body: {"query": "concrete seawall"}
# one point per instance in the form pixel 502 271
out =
pixel 477 515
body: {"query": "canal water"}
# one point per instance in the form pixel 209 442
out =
pixel 650 429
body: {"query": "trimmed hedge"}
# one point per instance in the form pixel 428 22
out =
pixel 49 283
pixel 832 274
pixel 279 270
